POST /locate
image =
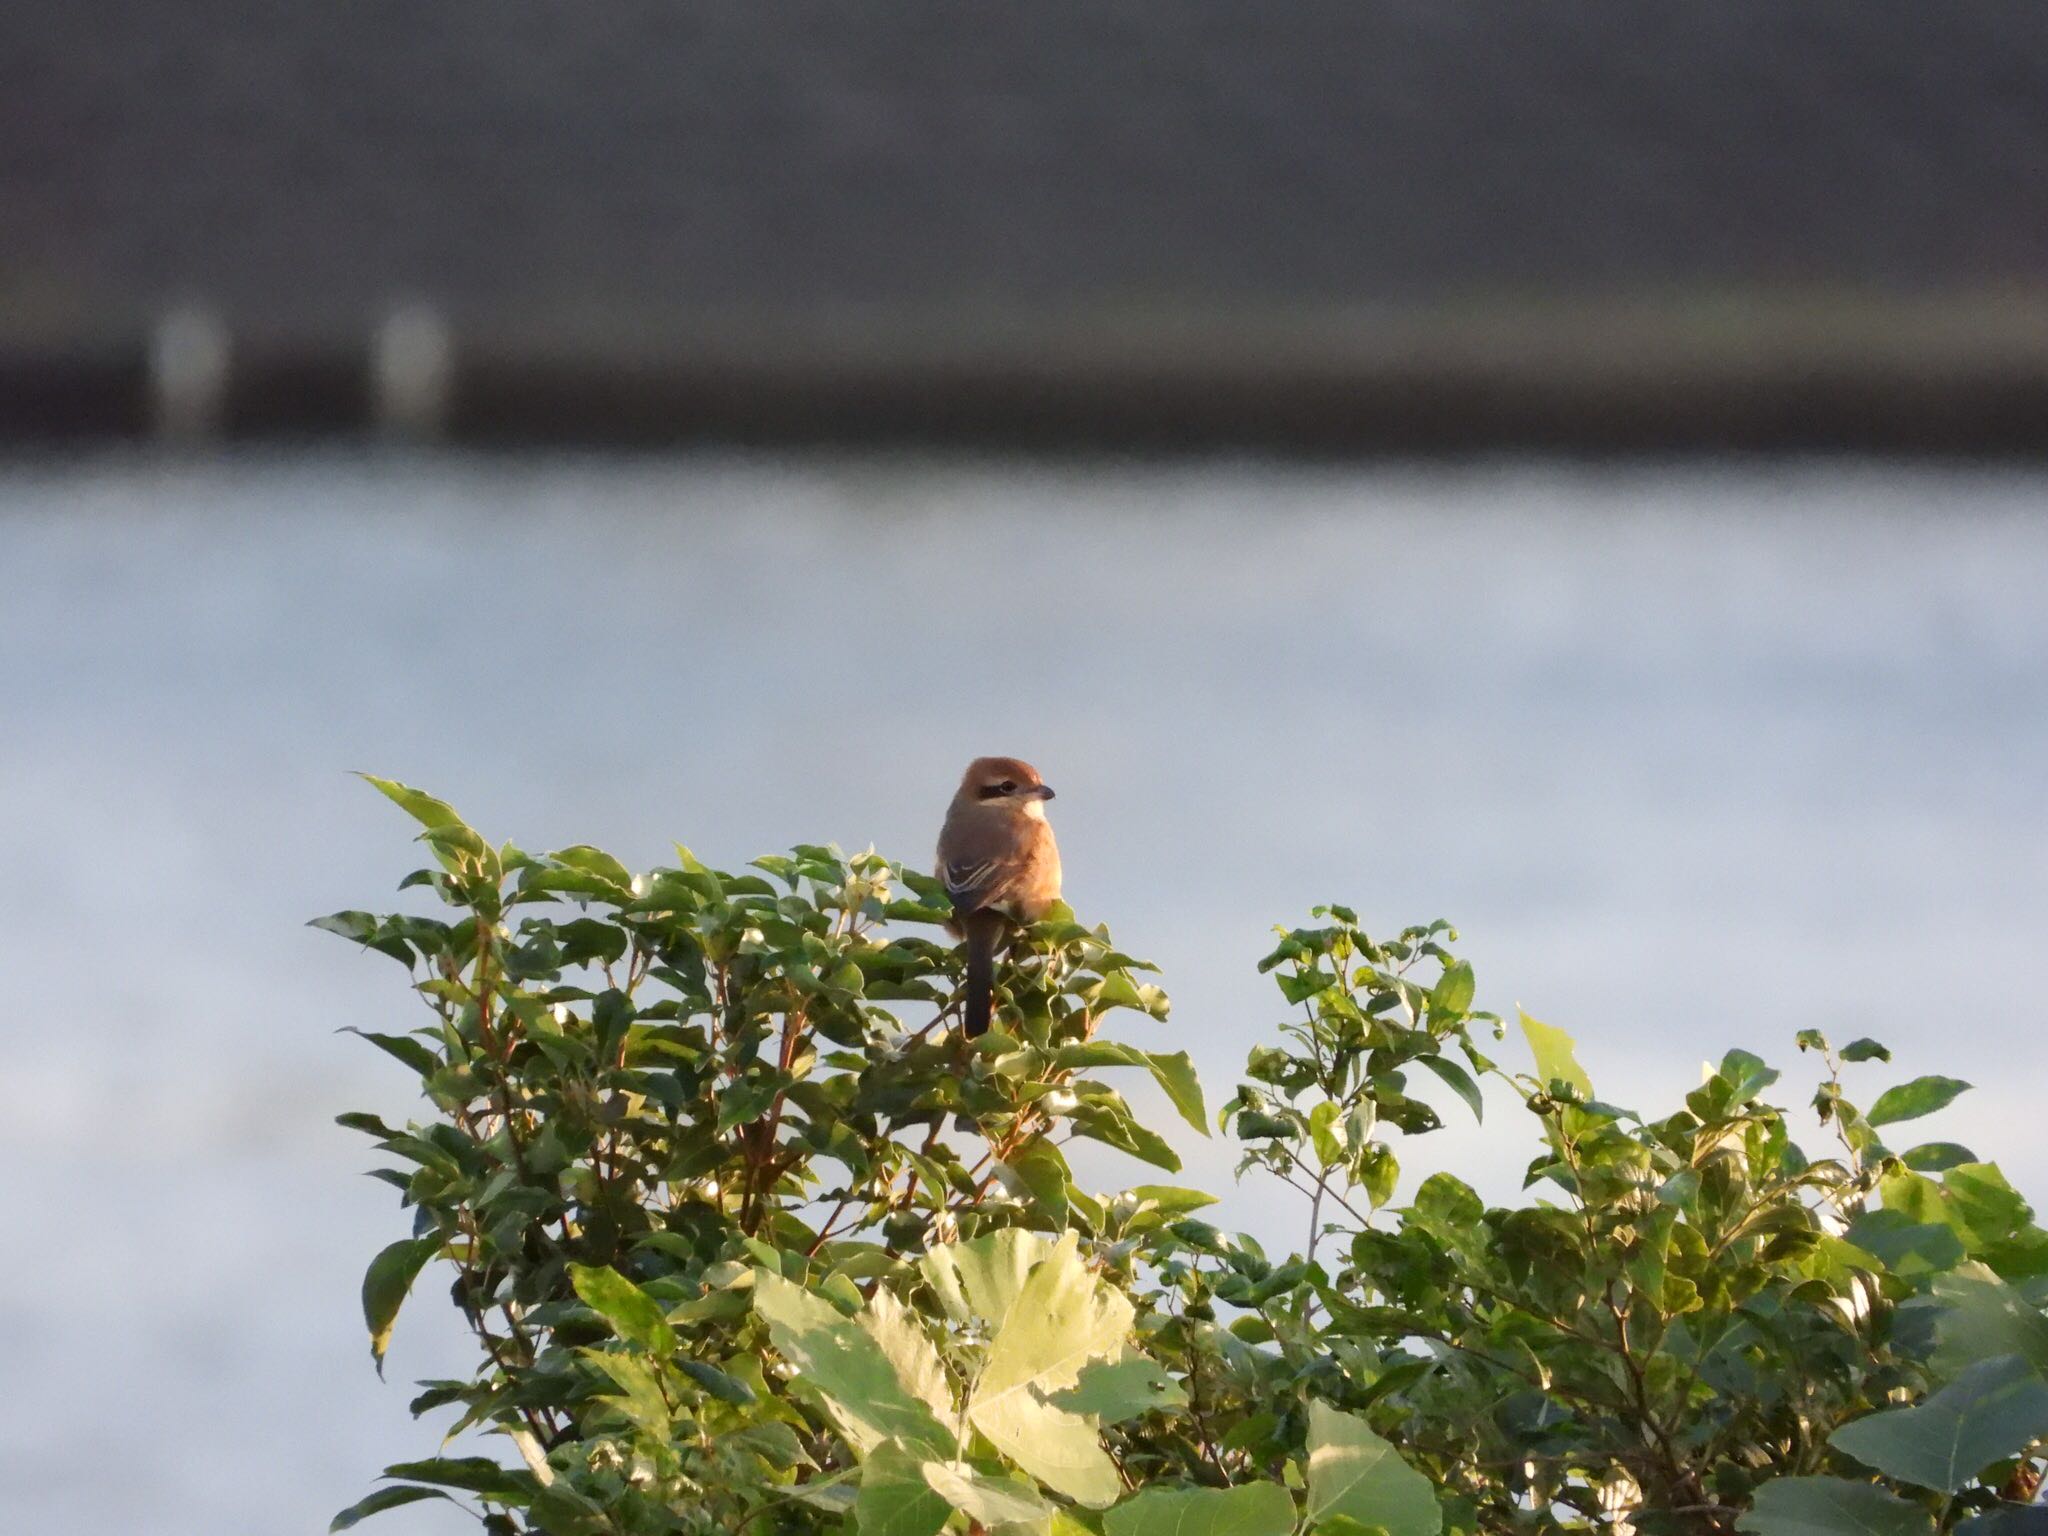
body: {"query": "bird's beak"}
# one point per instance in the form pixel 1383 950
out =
pixel 1043 792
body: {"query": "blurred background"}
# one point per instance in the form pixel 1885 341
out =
pixel 1573 471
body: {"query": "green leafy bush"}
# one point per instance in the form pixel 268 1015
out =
pixel 751 1241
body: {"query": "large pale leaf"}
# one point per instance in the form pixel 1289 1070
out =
pixel 1353 1472
pixel 1254 1509
pixel 1977 1315
pixel 1831 1506
pixel 1062 1318
pixel 992 1501
pixel 1995 1408
pixel 909 1349
pixel 1114 1390
pixel 842 1361
pixel 895 1499
pixel 980 1279
pixel 1555 1059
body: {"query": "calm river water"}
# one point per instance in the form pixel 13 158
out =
pixel 1696 756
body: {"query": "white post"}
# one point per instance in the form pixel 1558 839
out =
pixel 412 363
pixel 189 360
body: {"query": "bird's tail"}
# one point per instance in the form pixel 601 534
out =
pixel 983 929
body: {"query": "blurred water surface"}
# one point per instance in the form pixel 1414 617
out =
pixel 1696 756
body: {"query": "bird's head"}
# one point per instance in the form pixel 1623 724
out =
pixel 1005 784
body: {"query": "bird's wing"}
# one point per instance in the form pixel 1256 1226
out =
pixel 978 883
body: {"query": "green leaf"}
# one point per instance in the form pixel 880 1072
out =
pixel 1352 1471
pixel 841 1360
pixel 365 929
pixel 474 1474
pixel 1063 1317
pixel 726 1388
pixel 1989 1209
pixel 1460 1080
pixel 385 1284
pixel 1251 1509
pixel 378 1502
pixel 413 1053
pixel 1555 1061
pixel 1909 1101
pixel 1936 1156
pixel 1171 1199
pixel 1041 1170
pixel 416 803
pixel 1865 1049
pixel 598 864
pixel 1831 1506
pixel 1747 1074
pixel 895 1499
pixel 992 1501
pixel 1176 1074
pixel 639 1399
pixel 1453 991
pixel 634 1315
pixel 1995 1408
pixel 1109 1121
pixel 1114 1390
pixel 1378 1171
pixel 1907 1247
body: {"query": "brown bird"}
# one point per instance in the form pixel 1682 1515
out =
pixel 999 863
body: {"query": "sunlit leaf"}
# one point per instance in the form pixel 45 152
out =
pixel 841 1360
pixel 1555 1058
pixel 416 803
pixel 1250 1509
pixel 634 1315
pixel 904 1342
pixel 1453 991
pixel 1353 1472
pixel 894 1498
pixel 981 1278
pixel 1115 1390
pixel 991 1501
pixel 1063 1317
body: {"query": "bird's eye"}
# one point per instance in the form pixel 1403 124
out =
pixel 1008 786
